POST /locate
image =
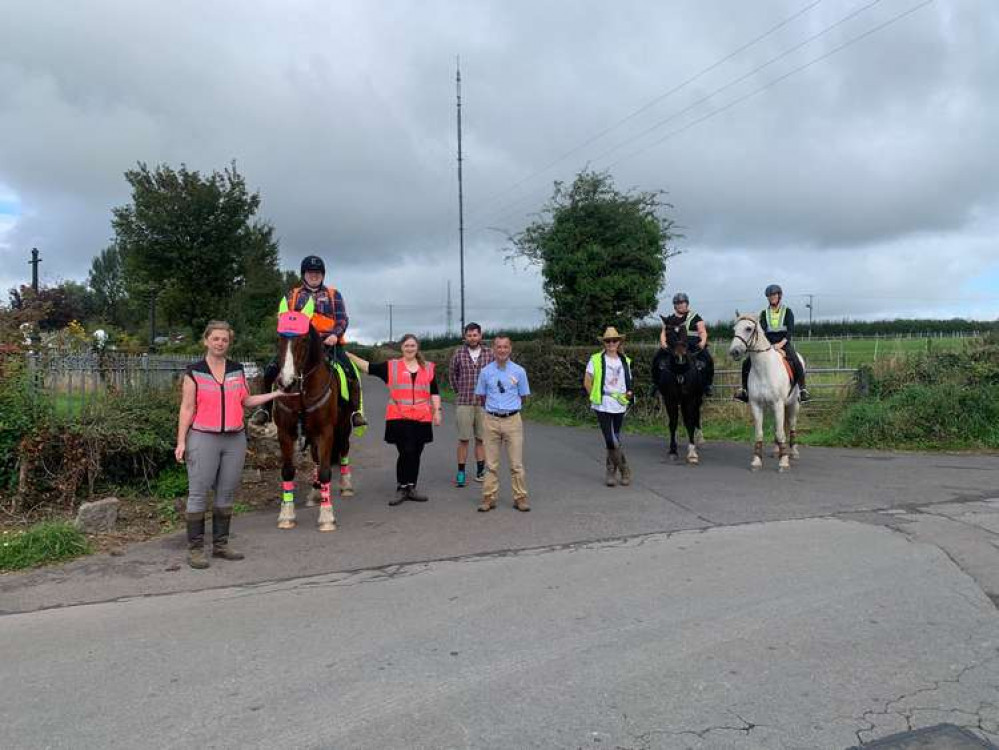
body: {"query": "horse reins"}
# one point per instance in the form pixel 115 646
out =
pixel 309 408
pixel 756 335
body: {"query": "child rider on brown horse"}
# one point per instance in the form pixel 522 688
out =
pixel 330 321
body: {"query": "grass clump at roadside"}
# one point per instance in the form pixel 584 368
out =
pixel 48 542
pixel 944 416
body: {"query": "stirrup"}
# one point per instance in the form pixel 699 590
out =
pixel 357 419
pixel 741 395
pixel 804 395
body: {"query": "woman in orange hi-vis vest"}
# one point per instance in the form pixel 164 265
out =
pixel 414 408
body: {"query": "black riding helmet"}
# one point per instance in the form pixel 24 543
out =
pixel 313 263
pixel 773 289
pixel 680 297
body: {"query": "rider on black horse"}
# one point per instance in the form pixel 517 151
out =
pixel 697 337
pixel 777 322
pixel 330 320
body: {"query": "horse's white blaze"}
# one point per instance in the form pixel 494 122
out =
pixel 287 376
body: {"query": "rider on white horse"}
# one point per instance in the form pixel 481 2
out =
pixel 697 336
pixel 777 322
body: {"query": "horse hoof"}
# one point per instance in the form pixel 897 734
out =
pixel 348 492
pixel 327 526
pixel 287 524
pixel 693 461
pixel 674 457
pixel 312 498
pixel 782 467
pixel 795 455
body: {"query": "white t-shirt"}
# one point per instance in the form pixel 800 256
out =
pixel 475 353
pixel 613 383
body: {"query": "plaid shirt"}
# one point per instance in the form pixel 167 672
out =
pixel 463 373
pixel 332 307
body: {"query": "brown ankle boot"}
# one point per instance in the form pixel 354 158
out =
pixel 622 465
pixel 610 477
pixel 221 518
pixel 196 541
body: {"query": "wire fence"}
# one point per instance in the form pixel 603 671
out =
pixel 75 382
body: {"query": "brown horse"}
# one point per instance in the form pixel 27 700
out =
pixel 316 414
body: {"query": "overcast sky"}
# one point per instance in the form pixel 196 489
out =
pixel 869 178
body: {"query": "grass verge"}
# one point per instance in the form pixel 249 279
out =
pixel 48 542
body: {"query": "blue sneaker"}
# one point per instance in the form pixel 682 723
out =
pixel 459 480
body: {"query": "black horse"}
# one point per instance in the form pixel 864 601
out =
pixel 678 377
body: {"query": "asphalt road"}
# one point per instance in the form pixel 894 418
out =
pixel 703 607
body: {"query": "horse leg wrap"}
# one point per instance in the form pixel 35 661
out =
pixel 782 447
pixel 792 438
pixel 327 521
pixel 758 449
pixel 286 518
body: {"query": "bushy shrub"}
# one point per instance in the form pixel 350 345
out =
pixel 944 415
pixel 21 410
pixel 120 441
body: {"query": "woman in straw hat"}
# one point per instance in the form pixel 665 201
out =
pixel 608 382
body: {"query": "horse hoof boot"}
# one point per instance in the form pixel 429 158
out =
pixel 327 521
pixel 346 486
pixel 286 518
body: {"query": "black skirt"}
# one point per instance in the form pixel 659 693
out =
pixel 408 432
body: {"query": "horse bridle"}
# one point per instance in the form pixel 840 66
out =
pixel 309 408
pixel 756 335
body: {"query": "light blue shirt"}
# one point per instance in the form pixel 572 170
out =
pixel 503 387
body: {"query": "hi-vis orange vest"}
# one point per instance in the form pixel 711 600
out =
pixel 409 399
pixel 324 324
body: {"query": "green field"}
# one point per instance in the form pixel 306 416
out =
pixel 856 352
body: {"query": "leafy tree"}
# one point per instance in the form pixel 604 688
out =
pixel 107 280
pixel 602 254
pixel 185 240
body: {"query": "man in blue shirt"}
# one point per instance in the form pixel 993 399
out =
pixel 504 384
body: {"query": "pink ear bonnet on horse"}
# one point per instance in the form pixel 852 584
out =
pixel 292 324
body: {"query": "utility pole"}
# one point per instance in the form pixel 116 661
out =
pixel 461 201
pixel 390 322
pixel 35 260
pixel 449 308
pixel 809 305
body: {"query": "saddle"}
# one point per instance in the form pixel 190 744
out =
pixel 789 368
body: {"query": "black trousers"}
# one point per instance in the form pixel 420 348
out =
pixel 407 465
pixel 792 355
pixel 610 427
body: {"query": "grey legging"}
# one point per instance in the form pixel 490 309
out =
pixel 214 461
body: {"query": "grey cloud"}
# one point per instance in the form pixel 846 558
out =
pixel 342 115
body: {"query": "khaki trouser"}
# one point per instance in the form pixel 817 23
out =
pixel 508 431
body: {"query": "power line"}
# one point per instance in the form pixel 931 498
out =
pixel 775 81
pixel 505 211
pixel 653 102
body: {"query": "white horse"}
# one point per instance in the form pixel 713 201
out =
pixel 769 388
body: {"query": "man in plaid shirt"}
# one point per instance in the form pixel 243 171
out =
pixel 463 372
